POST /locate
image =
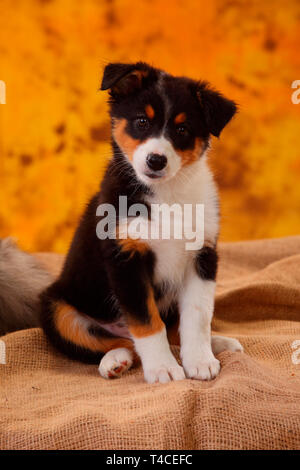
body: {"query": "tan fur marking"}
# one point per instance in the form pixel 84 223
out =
pixel 156 324
pixel 126 143
pixel 67 322
pixel 130 244
pixel 191 155
pixel 180 118
pixel 150 111
pixel 134 246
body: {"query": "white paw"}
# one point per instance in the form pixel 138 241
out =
pixel 202 369
pixel 164 373
pixel 115 363
pixel 159 364
pixel 221 343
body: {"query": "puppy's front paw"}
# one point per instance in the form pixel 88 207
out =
pixel 202 369
pixel 164 373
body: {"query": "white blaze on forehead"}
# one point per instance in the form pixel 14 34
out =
pixel 158 145
pixel 161 146
pixel 162 92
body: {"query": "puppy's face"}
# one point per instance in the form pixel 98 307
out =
pixel 162 123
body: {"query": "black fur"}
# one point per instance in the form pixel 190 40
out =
pixel 122 80
pixel 96 270
pixel 206 263
pixel 68 348
pixel 217 109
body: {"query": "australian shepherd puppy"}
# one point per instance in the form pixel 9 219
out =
pixel 126 298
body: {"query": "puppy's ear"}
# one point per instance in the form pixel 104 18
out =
pixel 217 109
pixel 124 79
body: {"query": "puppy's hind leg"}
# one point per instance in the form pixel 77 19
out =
pixel 116 362
pixel 221 343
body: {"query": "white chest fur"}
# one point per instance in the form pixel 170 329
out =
pixel 193 185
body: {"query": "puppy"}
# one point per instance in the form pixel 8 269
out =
pixel 119 299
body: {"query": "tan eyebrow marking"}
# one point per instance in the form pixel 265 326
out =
pixel 150 111
pixel 180 118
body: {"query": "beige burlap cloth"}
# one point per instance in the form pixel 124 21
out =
pixel 50 402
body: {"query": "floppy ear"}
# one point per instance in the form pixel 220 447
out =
pixel 123 79
pixel 217 109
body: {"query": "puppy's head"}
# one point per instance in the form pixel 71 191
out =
pixel 162 123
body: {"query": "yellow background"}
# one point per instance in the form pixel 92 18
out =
pixel 54 129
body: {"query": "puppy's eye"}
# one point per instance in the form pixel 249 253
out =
pixel 142 123
pixel 182 130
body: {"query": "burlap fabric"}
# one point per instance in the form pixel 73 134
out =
pixel 50 402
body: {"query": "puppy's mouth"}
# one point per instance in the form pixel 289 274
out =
pixel 154 174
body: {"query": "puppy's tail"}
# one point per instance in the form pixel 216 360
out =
pixel 22 279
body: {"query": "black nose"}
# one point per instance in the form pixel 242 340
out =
pixel 156 162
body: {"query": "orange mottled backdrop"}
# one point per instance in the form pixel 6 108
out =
pixel 54 128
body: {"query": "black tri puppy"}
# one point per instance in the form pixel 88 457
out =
pixel 126 297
